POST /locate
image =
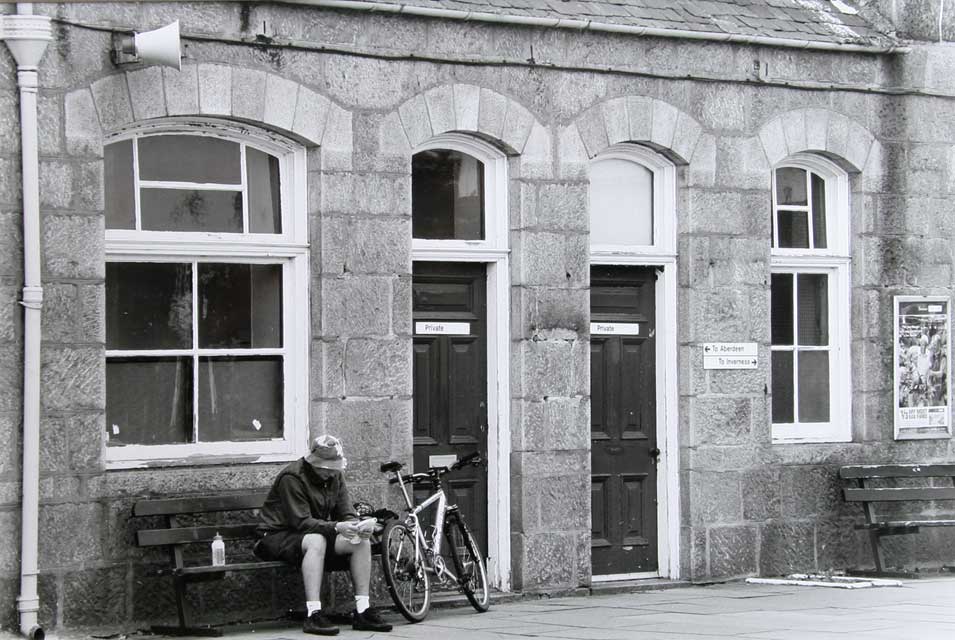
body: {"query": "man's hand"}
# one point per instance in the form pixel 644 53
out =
pixel 347 529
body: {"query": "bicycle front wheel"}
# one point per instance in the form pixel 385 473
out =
pixel 468 563
pixel 404 571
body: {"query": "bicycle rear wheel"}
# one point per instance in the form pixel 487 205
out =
pixel 468 563
pixel 404 571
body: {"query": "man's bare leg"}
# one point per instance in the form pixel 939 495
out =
pixel 313 564
pixel 359 562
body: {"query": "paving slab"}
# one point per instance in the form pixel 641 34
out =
pixel 922 609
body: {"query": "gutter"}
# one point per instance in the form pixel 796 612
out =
pixel 26 36
pixel 589 25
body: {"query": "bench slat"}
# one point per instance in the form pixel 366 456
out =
pixel 238 566
pixel 905 524
pixel 186 535
pixel 199 504
pixel 898 494
pixel 896 471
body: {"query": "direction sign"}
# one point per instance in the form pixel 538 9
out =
pixel 729 349
pixel 729 362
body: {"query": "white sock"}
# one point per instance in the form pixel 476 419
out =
pixel 312 606
pixel 361 603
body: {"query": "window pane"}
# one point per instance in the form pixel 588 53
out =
pixel 189 159
pixel 813 308
pixel 814 386
pixel 621 203
pixel 265 209
pixel 179 210
pixel 782 364
pixel 240 306
pixel 118 185
pixel 791 186
pixel 447 195
pixel 793 229
pixel 781 314
pixel 148 400
pixel 818 212
pixel 240 398
pixel 148 305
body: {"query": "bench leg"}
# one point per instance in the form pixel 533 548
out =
pixel 179 585
pixel 875 540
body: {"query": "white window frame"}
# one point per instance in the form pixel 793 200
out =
pixel 492 251
pixel 835 261
pixel 662 255
pixel 290 249
pixel 664 203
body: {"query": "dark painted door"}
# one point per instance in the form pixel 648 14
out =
pixel 623 420
pixel 450 379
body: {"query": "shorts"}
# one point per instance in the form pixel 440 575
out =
pixel 287 547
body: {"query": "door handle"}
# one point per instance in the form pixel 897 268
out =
pixel 654 453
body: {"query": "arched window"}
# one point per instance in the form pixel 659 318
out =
pixel 810 301
pixel 458 197
pixel 206 294
pixel 631 203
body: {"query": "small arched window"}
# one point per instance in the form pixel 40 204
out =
pixel 458 197
pixel 631 202
pixel 206 294
pixel 810 301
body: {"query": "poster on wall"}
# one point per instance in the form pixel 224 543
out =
pixel 923 370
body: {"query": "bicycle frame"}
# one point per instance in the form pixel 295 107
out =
pixel 435 564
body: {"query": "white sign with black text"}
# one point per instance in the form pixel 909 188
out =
pixel 614 328
pixel 442 328
pixel 729 355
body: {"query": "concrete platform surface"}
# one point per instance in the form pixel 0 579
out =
pixel 921 609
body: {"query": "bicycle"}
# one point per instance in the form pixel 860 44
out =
pixel 409 557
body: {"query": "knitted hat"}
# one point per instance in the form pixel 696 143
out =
pixel 327 453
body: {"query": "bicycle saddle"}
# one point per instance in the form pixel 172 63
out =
pixel 391 466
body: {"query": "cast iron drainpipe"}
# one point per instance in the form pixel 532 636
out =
pixel 26 35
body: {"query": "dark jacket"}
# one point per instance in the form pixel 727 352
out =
pixel 306 499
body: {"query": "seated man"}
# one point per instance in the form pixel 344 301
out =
pixel 308 520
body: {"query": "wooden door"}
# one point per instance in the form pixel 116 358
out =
pixel 623 420
pixel 450 378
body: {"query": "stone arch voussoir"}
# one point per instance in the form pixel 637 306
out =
pixel 463 108
pixel 639 119
pixel 207 89
pixel 820 131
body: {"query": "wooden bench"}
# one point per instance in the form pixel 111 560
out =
pixel 181 530
pixel 873 481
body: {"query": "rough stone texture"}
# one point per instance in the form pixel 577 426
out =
pixel 366 246
pixel 82 127
pixel 356 306
pixel 69 533
pixel 111 95
pixel 732 551
pixel 281 96
pixel 215 89
pixel 377 367
pixel 94 595
pixel 146 92
pixel 72 247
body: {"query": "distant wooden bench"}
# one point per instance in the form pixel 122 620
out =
pixel 868 493
pixel 181 530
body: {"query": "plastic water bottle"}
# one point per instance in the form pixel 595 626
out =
pixel 218 551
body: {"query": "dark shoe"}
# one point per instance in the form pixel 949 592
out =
pixel 318 624
pixel 369 620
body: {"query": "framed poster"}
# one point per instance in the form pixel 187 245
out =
pixel 923 369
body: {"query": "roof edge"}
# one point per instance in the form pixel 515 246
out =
pixel 589 25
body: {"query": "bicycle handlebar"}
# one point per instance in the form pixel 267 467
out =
pixel 432 474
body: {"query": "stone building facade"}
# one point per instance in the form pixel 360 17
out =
pixel 854 101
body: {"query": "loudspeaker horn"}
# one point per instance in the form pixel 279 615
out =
pixel 159 46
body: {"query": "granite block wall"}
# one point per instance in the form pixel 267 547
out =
pixel 747 506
